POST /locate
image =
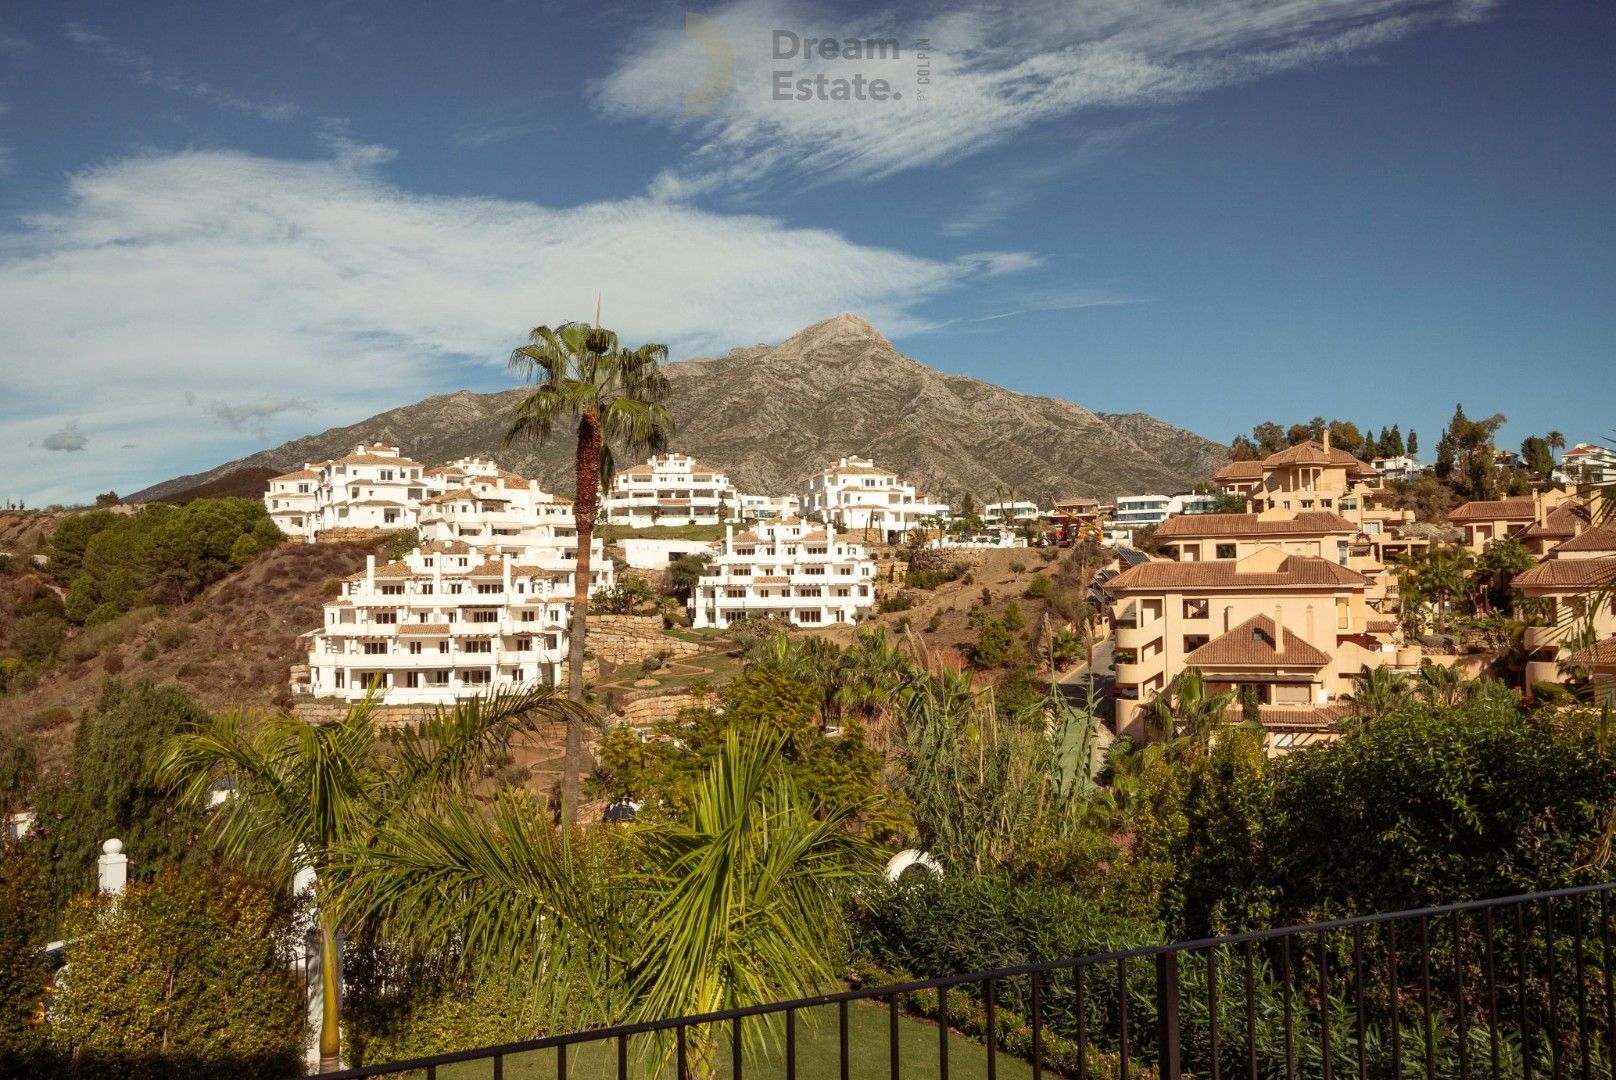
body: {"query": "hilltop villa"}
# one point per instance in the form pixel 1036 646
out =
pixel 808 573
pixel 445 622
pixel 854 495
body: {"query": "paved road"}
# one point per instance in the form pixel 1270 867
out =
pixel 1074 685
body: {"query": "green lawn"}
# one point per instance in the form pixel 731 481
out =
pixel 817 1054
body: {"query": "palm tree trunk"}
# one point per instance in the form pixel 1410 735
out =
pixel 585 505
pixel 330 998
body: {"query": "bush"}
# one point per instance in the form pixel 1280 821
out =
pixel 1018 567
pixel 933 623
pixel 182 977
pixel 896 602
pixel 172 635
pixel 1552 694
pixel 1013 617
pixel 112 664
pixel 995 645
pixel 1038 588
pixel 1049 554
pixel 50 719
pixel 37 637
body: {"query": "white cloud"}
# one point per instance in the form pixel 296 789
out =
pixel 215 277
pixel 994 73
pixel 146 71
pixel 68 439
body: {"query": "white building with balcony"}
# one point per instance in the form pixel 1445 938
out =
pixel 445 622
pixel 671 489
pixel 1019 512
pixel 856 496
pixel 808 573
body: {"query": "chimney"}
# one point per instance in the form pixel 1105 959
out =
pixel 1307 624
pixel 1540 508
pixel 1279 631
pixel 370 573
pixel 1326 439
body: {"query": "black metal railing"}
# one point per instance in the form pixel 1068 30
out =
pixel 1519 986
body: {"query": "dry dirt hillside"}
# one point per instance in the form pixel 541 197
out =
pixel 232 645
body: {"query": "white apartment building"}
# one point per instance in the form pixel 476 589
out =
pixel 808 573
pixel 769 507
pixel 856 496
pixel 1587 463
pixel 671 489
pixel 1399 467
pixel 1019 512
pixel 445 622
pixel 375 488
pixel 501 512
pixel 292 499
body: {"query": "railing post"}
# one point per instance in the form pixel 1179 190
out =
pixel 1169 1065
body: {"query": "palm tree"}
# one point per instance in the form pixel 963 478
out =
pixel 1555 440
pixel 1439 687
pixel 581 373
pixel 724 907
pixel 1376 693
pixel 302 790
pixel 1185 710
pixel 1442 575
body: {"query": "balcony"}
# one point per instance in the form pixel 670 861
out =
pixel 1136 672
pixel 1134 636
pixel 1542 637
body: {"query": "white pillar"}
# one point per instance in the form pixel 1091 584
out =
pixel 112 868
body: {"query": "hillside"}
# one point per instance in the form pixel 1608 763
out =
pixel 767 415
pixel 230 646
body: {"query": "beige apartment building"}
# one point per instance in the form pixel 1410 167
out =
pixel 1573 583
pixel 1291 627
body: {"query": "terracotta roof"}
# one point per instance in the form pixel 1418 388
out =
pixel 531 571
pixel 446 547
pixel 1310 522
pixel 374 459
pixel 394 570
pixel 1562 521
pixel 1381 626
pixel 1568 573
pixel 1240 470
pixel 1312 452
pixel 1308 718
pixel 301 474
pixel 1599 654
pixel 1224 573
pixel 1601 538
pixel 1251 644
pixel 1494 510
pixel 436 628
pixel 462 493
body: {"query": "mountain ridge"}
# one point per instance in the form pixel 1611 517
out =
pixel 769 415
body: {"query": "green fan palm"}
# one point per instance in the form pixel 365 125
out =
pixel 301 791
pixel 730 905
pixel 581 374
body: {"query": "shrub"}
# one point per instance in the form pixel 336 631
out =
pixel 148 652
pixel 50 719
pixel 37 637
pixel 1039 588
pixel 995 644
pixel 933 623
pixel 112 663
pixel 1552 694
pixel 5 564
pixel 331 588
pixel 1013 617
pixel 896 602
pixel 172 635
pixel 1018 567
pixel 1049 554
pixel 182 977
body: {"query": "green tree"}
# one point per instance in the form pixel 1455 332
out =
pixel 1439 576
pixel 1538 455
pixel 1376 693
pixel 108 789
pixel 686 572
pixel 1186 711
pixel 581 374
pixel 1269 437
pixel 1413 447
pixel 301 790
pixel 1495 567
pixel 24 927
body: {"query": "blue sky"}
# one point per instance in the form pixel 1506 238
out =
pixel 222 226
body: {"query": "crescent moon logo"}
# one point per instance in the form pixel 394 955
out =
pixel 720 65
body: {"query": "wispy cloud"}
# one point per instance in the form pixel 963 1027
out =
pixel 146 71
pixel 994 73
pixel 500 122
pixel 239 284
pixel 14 47
pixel 252 415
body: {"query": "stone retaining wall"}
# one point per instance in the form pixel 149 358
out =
pixel 653 707
pixel 628 639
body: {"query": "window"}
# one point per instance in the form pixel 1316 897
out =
pixel 387 617
pixel 443 646
pixel 814 570
pixel 808 615
pixel 524 644
pixel 392 590
pixel 482 616
pixel 389 516
pixel 412 679
pixel 1194 641
pixel 734 593
pixel 530 616
pixel 415 648
pixel 489 588
pixel 1226 551
pixel 1196 609
pixel 375 648
pixel 454 588
pixel 474 678
pixel 440 678
pixel 477 645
